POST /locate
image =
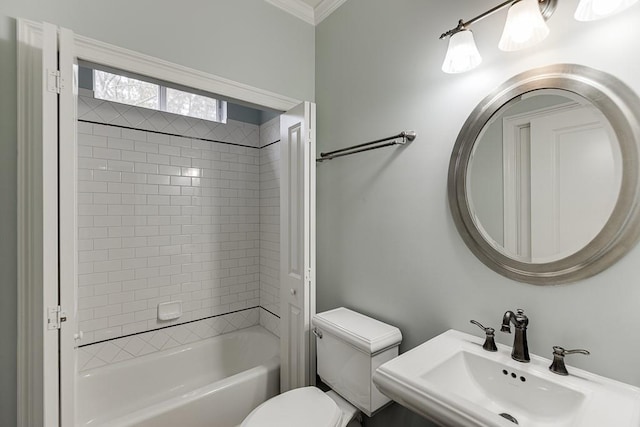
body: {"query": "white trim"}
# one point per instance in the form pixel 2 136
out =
pixel 68 183
pixel 106 54
pixel 304 11
pixel 326 8
pixel 50 231
pixel 37 350
pixel 297 8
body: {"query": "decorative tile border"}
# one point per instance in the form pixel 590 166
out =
pixel 270 132
pixel 126 348
pixel 270 321
pixel 112 113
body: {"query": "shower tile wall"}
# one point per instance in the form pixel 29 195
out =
pixel 270 225
pixel 165 218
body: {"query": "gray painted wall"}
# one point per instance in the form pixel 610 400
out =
pixel 8 222
pixel 248 41
pixel 386 243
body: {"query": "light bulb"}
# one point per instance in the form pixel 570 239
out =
pixel 591 10
pixel 462 54
pixel 524 27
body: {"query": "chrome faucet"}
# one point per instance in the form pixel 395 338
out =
pixel 520 350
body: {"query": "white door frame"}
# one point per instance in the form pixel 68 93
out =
pixel 34 277
pixel 297 247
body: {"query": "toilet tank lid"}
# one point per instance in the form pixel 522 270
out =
pixel 363 332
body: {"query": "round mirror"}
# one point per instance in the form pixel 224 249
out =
pixel 543 179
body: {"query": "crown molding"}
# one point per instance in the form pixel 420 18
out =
pixel 308 14
pixel 326 8
pixel 297 8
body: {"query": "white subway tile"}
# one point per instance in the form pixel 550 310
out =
pixel 159 159
pixel 91 302
pixel 169 150
pixel 133 285
pixel 136 178
pixel 133 306
pixel 121 319
pixel 106 199
pixel 107 311
pixel 92 140
pixel 107 221
pixel 120 188
pixel 105 130
pixel 159 179
pixel 146 168
pixel 169 190
pixel 106 153
pixel 136 135
pixel 133 157
pixel 120 144
pixel 146 294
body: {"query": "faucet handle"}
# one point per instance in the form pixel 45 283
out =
pixel 558 366
pixel 489 342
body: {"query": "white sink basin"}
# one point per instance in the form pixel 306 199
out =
pixel 451 380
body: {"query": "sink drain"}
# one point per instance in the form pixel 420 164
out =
pixel 509 417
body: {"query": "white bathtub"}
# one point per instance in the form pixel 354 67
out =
pixel 211 383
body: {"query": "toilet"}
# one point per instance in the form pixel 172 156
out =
pixel 350 346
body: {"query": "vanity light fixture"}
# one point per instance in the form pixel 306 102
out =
pixel 525 26
pixel 591 10
pixel 462 54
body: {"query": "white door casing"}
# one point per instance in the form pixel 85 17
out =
pixel 50 220
pixel 37 213
pixel 297 247
pixel 68 184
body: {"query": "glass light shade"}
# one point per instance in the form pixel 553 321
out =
pixel 462 54
pixel 590 10
pixel 524 27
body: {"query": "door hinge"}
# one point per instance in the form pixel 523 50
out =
pixel 55 317
pixel 54 81
pixel 307 275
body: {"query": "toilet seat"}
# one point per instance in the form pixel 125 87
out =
pixel 306 406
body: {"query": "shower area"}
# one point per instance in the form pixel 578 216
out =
pixel 178 257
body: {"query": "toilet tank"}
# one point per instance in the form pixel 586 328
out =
pixel 351 349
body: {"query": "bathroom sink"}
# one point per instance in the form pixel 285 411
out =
pixel 453 381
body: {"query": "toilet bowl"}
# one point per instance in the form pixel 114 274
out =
pixel 306 406
pixel 350 346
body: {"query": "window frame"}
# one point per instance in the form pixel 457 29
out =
pixel 220 105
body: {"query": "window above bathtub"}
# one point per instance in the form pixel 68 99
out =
pixel 126 88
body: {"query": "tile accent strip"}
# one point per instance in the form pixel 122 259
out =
pixel 129 347
pixel 270 321
pixel 128 116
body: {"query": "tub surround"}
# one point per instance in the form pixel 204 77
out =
pixel 170 208
pixel 270 217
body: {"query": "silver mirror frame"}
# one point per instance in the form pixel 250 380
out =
pixel 621 106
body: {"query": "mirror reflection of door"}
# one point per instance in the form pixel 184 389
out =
pixel 560 176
